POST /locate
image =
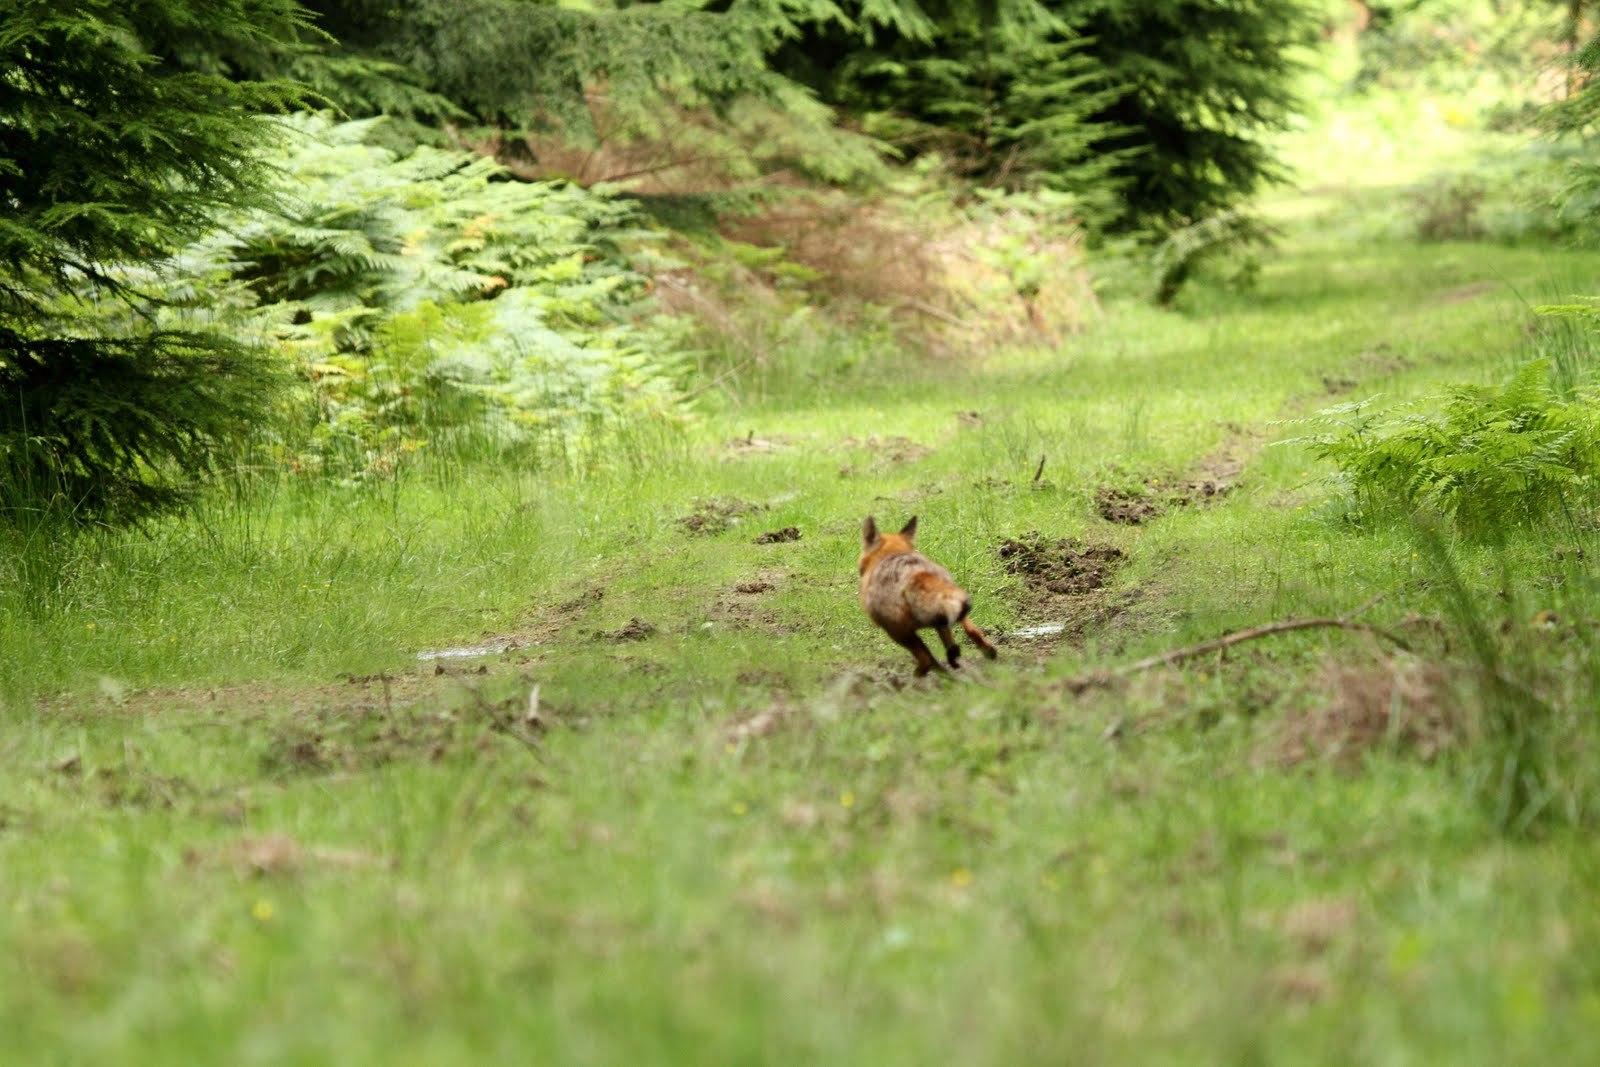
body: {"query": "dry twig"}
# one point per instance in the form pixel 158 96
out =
pixel 1172 657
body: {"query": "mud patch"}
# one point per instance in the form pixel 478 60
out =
pixel 1121 506
pixel 775 537
pixel 1065 590
pixel 753 587
pixel 1062 566
pixel 714 516
pixel 1156 497
pixel 1400 703
pixel 636 629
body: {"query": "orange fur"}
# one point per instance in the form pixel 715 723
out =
pixel 904 591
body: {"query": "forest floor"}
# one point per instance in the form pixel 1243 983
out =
pixel 692 807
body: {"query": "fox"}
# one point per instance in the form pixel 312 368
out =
pixel 904 591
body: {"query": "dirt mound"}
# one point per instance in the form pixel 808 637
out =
pixel 893 449
pixel 714 516
pixel 1158 496
pixel 774 537
pixel 1061 566
pixel 752 587
pixel 635 630
pixel 1121 506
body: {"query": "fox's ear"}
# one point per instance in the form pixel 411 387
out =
pixel 869 531
pixel 909 530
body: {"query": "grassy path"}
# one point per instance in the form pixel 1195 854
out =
pixel 743 836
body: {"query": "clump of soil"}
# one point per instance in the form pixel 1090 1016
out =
pixel 1121 506
pixel 773 537
pixel 1133 508
pixel 752 587
pixel 1060 566
pixel 714 516
pixel 1399 702
pixel 635 630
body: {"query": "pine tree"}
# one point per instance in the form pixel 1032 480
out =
pixel 1163 102
pixel 1207 81
pixel 110 157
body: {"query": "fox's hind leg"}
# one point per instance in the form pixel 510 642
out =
pixel 978 638
pixel 952 651
pixel 925 660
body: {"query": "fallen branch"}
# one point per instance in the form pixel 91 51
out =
pixel 1173 657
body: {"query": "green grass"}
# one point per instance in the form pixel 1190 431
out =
pixel 751 837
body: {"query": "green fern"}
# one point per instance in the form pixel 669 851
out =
pixel 424 298
pixel 1492 456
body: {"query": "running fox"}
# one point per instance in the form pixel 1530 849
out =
pixel 904 591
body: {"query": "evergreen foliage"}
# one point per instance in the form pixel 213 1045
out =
pixel 110 157
pixel 1206 81
pixel 1165 103
pixel 527 63
pixel 1010 103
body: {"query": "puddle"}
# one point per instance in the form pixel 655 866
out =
pixel 1047 629
pixel 469 651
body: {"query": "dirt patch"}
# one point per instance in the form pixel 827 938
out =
pixel 1156 497
pixel 756 724
pixel 1065 591
pixel 1402 703
pixel 1462 293
pixel 751 445
pixel 1121 506
pixel 714 516
pixel 1062 566
pixel 775 537
pixel 890 449
pixel 277 855
pixel 636 629
pixel 1381 361
pixel 753 587
pixel 1315 925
